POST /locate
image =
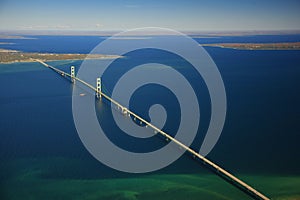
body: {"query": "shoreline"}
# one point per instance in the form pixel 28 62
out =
pixel 8 56
pixel 32 61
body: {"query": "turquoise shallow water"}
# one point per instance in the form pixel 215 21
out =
pixel 30 179
pixel 43 157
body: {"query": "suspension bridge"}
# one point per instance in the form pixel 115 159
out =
pixel 212 166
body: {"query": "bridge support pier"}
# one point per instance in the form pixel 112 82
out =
pixel 98 89
pixel 73 74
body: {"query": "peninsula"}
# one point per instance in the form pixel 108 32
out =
pixel 258 46
pixel 12 56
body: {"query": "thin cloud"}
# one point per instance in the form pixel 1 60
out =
pixel 132 6
pixel 99 25
pixel 63 27
pixel 25 27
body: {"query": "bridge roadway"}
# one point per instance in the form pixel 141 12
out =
pixel 217 169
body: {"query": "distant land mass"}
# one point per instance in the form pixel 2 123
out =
pixel 21 34
pixel 12 56
pixel 258 46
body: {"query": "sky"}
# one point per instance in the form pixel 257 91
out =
pixel 181 15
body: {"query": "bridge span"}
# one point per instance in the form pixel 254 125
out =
pixel 212 166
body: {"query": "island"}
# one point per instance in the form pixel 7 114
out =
pixel 14 37
pixel 6 43
pixel 12 56
pixel 258 46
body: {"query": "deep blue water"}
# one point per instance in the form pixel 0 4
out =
pixel 261 132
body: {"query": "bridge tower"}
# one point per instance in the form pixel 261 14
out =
pixel 73 74
pixel 98 88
